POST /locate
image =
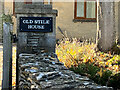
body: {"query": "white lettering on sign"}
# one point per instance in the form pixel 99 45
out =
pixel 41 22
pixel 28 21
pixel 36 21
pixel 36 27
pixel 37 24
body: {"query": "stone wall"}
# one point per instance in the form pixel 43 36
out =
pixel 44 71
pixel 119 22
pixel 65 21
pixel 32 42
pixel 0 28
pixel 0 21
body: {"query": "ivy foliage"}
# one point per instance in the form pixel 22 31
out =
pixel 7 18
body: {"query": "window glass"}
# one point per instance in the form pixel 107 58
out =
pixel 91 9
pixel 47 1
pixel 80 9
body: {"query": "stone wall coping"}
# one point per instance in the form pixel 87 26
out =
pixel 35 9
pixel 37 6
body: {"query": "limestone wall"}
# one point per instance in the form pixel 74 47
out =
pixel 44 71
pixel 119 22
pixel 0 29
pixel 0 21
pixel 8 7
pixel 73 29
pixel 32 42
pixel 65 20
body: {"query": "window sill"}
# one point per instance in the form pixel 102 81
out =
pixel 83 20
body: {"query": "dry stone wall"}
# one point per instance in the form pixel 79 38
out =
pixel 44 71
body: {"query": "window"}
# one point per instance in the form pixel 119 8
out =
pixel 28 1
pixel 85 10
pixel 45 1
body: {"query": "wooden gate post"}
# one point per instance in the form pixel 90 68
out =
pixel 7 57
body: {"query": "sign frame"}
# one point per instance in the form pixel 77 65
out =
pixel 36 24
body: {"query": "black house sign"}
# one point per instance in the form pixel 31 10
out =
pixel 36 24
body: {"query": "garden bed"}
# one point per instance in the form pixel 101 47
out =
pixel 82 57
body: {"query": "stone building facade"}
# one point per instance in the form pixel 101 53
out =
pixel 66 21
pixel 76 27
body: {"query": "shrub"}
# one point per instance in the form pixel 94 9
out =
pixel 114 81
pixel 7 18
pixel 82 57
pixel 93 72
